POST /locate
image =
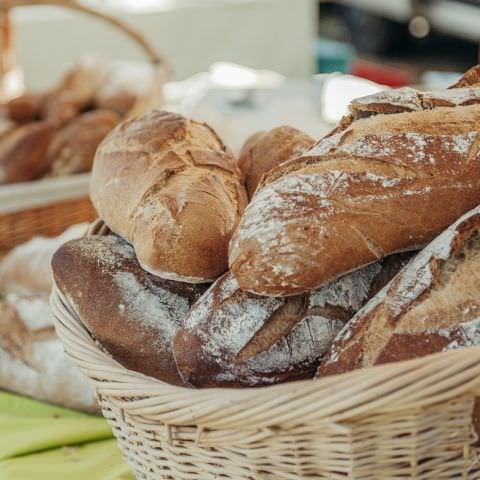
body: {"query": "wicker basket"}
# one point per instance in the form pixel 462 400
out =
pixel 410 419
pixel 51 217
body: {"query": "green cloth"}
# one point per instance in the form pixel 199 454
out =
pixel 40 441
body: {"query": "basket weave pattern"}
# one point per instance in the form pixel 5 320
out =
pixel 405 420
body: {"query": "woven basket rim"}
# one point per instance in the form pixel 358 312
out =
pixel 391 387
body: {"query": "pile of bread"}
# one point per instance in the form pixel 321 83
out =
pixel 56 133
pixel 298 260
pixel 32 358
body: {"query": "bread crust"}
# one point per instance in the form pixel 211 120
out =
pixel 180 190
pixel 432 305
pixel 382 185
pixel 133 315
pixel 232 338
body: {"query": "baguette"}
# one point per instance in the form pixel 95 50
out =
pixel 180 192
pixel 432 305
pixel 383 184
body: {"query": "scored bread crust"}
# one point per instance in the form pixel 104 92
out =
pixel 382 184
pixel 432 305
pixel 265 150
pixel 132 314
pixel 232 338
pixel 172 189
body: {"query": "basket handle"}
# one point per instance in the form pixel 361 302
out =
pixel 154 57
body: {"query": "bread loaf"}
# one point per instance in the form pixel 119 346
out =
pixel 73 147
pixel 33 360
pixel 179 191
pixel 27 270
pixel 384 184
pixel 432 305
pixel 23 151
pixel 265 150
pixel 132 315
pixel 233 338
pixel 24 108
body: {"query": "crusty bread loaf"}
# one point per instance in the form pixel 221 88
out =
pixel 171 188
pixel 73 147
pixel 24 108
pixel 265 150
pixel 27 270
pixel 33 360
pixel 432 305
pixel 471 78
pixel 234 338
pixel 133 315
pixel 23 151
pixel 383 184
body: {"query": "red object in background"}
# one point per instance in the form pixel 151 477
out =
pixel 391 76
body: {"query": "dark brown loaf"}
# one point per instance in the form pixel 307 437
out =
pixel 23 152
pixel 73 147
pixel 432 305
pixel 170 187
pixel 382 185
pixel 133 315
pixel 24 108
pixel 233 338
pixel 265 150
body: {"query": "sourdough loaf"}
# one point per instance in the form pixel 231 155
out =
pixel 172 189
pixel 73 147
pixel 23 152
pixel 432 305
pixel 382 184
pixel 234 338
pixel 32 359
pixel 26 269
pixel 132 314
pixel 265 150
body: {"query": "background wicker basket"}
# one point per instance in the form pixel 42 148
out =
pixel 50 215
pixel 405 420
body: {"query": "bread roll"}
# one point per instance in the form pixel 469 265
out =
pixel 27 270
pixel 233 338
pixel 24 108
pixel 32 359
pixel 432 305
pixel 23 151
pixel 265 150
pixel 133 315
pixel 384 184
pixel 72 149
pixel 172 189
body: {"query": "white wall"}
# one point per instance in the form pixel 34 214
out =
pixel 273 34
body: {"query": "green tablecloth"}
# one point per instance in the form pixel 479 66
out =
pixel 39 441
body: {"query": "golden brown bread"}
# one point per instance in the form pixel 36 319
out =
pixel 24 108
pixel 73 147
pixel 234 338
pixel 432 305
pixel 171 188
pixel 265 150
pixel 381 185
pixel 132 314
pixel 23 152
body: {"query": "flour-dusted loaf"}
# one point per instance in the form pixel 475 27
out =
pixel 383 184
pixel 234 338
pixel 73 147
pixel 26 269
pixel 265 150
pixel 23 152
pixel 172 189
pixel 432 305
pixel 132 314
pixel 32 359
